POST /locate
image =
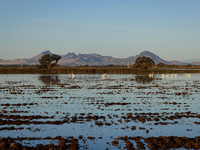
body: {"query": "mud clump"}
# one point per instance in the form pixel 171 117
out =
pixel 115 142
pixel 99 123
pixel 163 142
pixel 13 144
pixel 133 128
pixel 129 145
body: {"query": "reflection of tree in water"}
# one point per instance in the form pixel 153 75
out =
pixel 143 79
pixel 49 79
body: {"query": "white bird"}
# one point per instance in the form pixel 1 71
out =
pixel 163 76
pixel 87 76
pixel 104 76
pixel 167 75
pixel 69 75
pixel 172 75
pixel 151 75
pixel 72 76
pixel 175 75
pixel 189 75
pixel 82 76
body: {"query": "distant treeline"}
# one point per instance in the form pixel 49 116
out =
pixel 76 66
pixel 97 70
pixel 160 65
pixel 10 66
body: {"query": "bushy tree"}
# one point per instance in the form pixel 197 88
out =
pixel 161 64
pixel 143 62
pixel 48 61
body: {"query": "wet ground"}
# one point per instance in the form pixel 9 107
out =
pixel 100 112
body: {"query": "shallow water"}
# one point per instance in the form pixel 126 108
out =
pixel 171 102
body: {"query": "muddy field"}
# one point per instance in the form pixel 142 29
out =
pixel 100 112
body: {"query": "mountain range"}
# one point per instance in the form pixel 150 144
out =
pixel 191 60
pixel 92 59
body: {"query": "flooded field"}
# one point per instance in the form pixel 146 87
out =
pixel 113 111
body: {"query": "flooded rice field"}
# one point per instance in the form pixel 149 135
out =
pixel 97 111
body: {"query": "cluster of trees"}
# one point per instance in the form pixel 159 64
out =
pixel 160 65
pixel 48 61
pixel 144 63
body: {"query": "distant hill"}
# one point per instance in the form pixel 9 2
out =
pixel 36 58
pixel 191 60
pixel 195 63
pixel 29 61
pixel 156 58
pixel 90 59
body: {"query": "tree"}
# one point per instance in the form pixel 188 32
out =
pixel 48 61
pixel 143 62
pixel 161 65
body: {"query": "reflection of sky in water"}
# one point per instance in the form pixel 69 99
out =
pixel 143 97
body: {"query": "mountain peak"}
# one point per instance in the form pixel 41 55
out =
pixel 146 53
pixel 70 55
pixel 46 52
pixel 153 56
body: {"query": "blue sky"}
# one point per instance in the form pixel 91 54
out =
pixel 118 28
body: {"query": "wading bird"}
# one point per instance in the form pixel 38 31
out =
pixel 72 76
pixel 151 75
pixel 104 76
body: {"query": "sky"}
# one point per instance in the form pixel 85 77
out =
pixel 118 28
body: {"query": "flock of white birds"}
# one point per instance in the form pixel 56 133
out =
pixel 72 76
pixel 104 76
pixel 169 75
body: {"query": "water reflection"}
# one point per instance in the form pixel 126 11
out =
pixel 49 79
pixel 143 79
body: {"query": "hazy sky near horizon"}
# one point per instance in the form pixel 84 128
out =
pixel 118 28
